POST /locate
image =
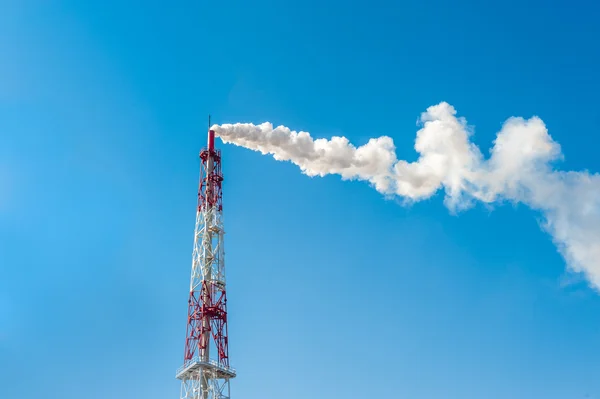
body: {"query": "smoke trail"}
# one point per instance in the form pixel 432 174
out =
pixel 518 170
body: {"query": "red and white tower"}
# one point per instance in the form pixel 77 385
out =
pixel 205 372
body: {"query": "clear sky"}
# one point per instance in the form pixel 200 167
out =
pixel 334 292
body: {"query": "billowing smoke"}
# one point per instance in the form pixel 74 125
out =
pixel 519 169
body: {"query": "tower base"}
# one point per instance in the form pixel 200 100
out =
pixel 204 380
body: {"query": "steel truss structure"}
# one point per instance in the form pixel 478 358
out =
pixel 205 373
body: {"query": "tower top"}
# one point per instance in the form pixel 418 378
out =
pixel 211 136
pixel 211 140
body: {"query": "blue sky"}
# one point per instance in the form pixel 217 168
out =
pixel 333 290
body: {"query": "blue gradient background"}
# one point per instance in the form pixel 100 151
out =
pixel 334 292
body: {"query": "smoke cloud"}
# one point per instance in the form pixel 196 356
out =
pixel 518 169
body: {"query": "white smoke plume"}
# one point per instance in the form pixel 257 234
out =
pixel 519 169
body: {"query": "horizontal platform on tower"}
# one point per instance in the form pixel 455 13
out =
pixel 211 367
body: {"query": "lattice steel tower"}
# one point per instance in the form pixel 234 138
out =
pixel 205 372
